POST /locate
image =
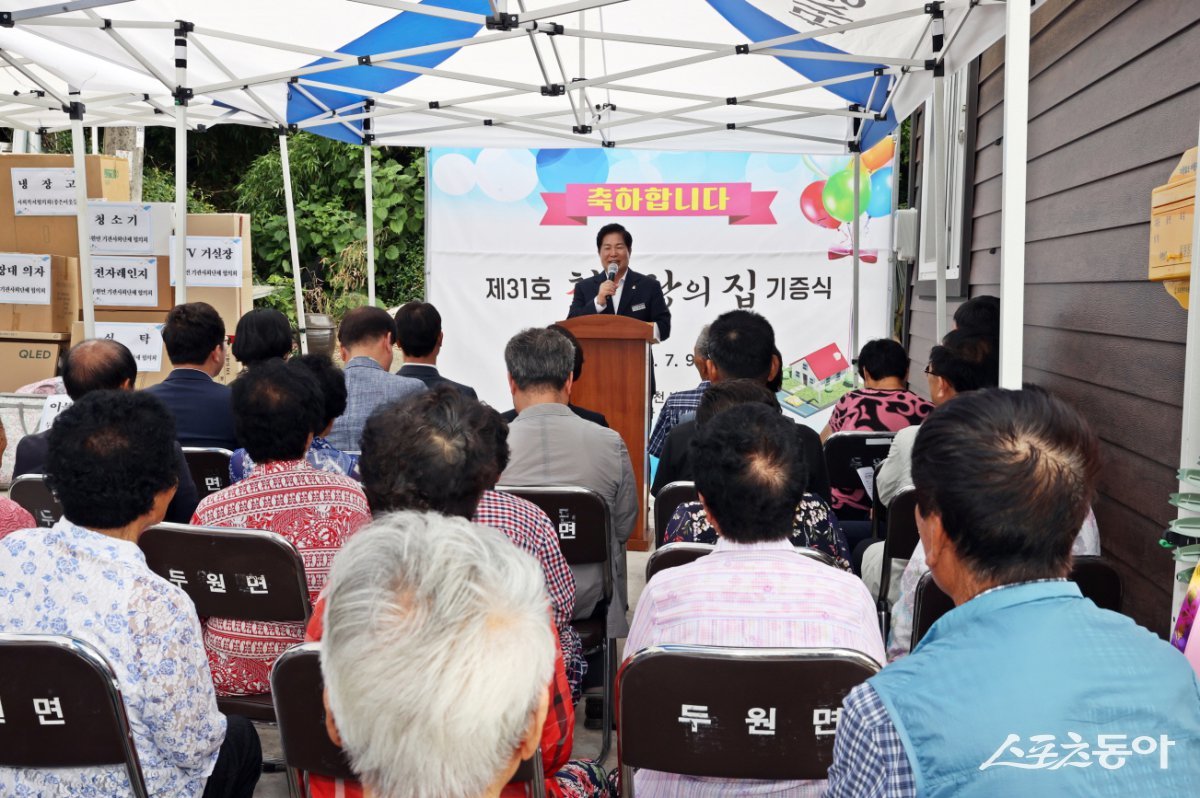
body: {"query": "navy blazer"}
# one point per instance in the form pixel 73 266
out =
pixel 202 407
pixel 642 299
pixel 433 378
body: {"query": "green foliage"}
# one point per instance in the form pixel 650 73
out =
pixel 158 185
pixel 327 180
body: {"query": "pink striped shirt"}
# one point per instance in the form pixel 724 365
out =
pixel 759 595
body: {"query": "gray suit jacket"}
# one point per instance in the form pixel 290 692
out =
pixel 368 386
pixel 433 378
pixel 553 446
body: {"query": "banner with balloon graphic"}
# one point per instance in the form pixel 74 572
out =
pixel 511 231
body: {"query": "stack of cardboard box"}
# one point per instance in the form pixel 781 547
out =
pixel 33 337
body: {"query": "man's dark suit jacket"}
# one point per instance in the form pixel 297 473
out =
pixel 676 464
pixel 582 412
pixel 31 459
pixel 432 378
pixel 202 407
pixel 641 298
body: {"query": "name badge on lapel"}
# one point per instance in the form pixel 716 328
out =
pixel 636 308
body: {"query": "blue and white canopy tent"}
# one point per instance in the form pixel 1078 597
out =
pixel 813 76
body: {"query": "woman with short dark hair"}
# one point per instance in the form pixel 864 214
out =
pixel 262 334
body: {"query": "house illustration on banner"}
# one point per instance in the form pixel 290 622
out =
pixel 816 381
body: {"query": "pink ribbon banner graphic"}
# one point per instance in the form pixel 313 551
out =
pixel 735 201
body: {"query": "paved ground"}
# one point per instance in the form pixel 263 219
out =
pixel 587 743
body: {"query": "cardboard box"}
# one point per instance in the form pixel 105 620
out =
pixel 145 378
pixel 166 293
pixel 1172 207
pixel 107 178
pixel 230 303
pixel 64 307
pixel 26 361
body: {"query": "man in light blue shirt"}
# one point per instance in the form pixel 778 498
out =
pixel 367 339
pixel 1025 687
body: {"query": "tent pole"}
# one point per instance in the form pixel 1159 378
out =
pixel 286 167
pixel 939 141
pixel 95 140
pixel 368 179
pixel 855 244
pixel 181 102
pixel 83 219
pixel 1013 186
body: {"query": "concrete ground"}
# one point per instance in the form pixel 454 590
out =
pixel 587 742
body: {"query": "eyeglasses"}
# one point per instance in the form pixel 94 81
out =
pixel 929 370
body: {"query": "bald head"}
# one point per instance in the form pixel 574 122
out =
pixel 98 364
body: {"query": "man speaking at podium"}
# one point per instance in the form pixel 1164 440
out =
pixel 619 290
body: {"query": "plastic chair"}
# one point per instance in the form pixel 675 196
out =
pixel 244 574
pixel 900 541
pixel 32 493
pixel 296 689
pixel 584 530
pixel 667 502
pixel 1096 577
pixel 63 708
pixel 209 467
pixel 845 453
pixel 674 554
pixel 733 713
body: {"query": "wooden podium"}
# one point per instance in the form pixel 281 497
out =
pixel 616 382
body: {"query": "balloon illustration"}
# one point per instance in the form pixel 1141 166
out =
pixel 838 194
pixel 812 207
pixel 879 155
pixel 881 193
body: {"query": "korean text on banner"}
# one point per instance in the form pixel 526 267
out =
pixel 55 404
pixel 43 192
pixel 212 261
pixel 143 340
pixel 24 279
pixel 125 281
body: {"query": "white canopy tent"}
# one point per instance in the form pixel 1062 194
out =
pixel 751 75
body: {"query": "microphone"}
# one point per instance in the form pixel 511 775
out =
pixel 612 271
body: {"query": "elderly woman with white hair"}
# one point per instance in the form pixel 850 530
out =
pixel 436 655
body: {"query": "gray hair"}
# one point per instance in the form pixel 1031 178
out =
pixel 539 358
pixel 437 653
pixel 701 347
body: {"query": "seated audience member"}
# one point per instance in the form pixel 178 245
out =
pixel 367 339
pixel 1025 687
pixel 419 336
pixel 775 381
pixel 195 339
pixel 814 524
pixel 960 363
pixel 884 405
pixel 111 462
pixel 979 316
pixel 550 445
pixel 576 373
pixel 532 530
pixel 436 453
pixel 320 455
pixel 276 407
pixel 12 515
pixel 741 345
pixel 1086 543
pixel 99 364
pixel 262 334
pixel 435 668
pixel 754 590
pixel 682 405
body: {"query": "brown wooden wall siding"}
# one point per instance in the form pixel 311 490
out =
pixel 1114 102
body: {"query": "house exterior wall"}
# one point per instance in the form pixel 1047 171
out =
pixel 1114 102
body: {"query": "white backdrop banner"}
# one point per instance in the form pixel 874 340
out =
pixel 511 231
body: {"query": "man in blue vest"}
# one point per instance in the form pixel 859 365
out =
pixel 1025 688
